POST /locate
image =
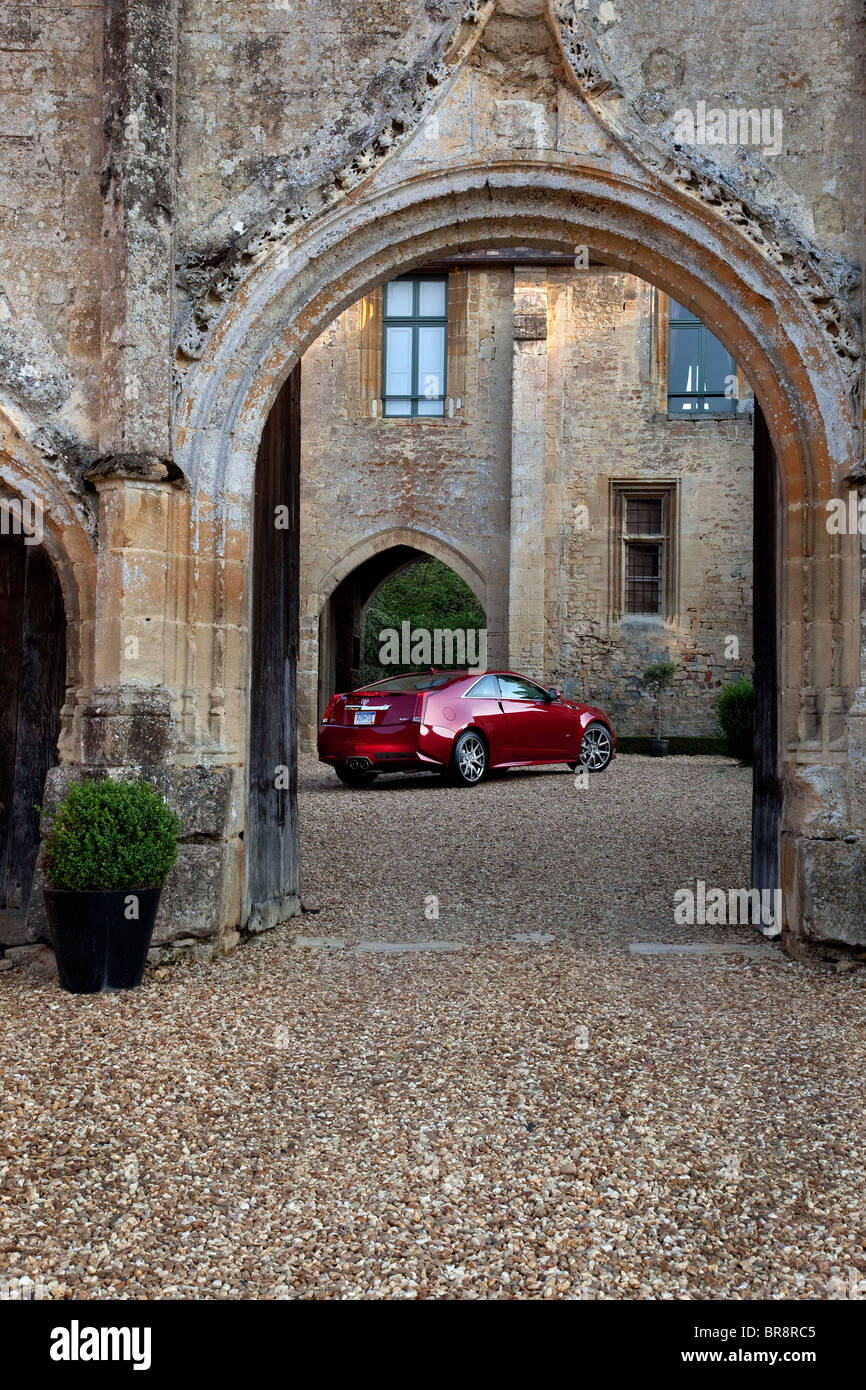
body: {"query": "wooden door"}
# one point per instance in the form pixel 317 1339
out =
pixel 32 683
pixel 766 784
pixel 271 835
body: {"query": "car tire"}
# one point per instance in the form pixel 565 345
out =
pixel 596 748
pixel 353 777
pixel 469 760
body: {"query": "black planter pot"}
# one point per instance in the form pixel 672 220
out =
pixel 658 747
pixel 97 943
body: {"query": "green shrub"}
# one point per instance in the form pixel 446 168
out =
pixel 111 835
pixel 735 707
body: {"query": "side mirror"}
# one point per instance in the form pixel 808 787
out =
pixel 553 693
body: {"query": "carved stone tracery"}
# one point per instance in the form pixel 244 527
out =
pixel 692 174
pixel 828 288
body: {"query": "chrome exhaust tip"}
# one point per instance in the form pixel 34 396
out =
pixel 359 764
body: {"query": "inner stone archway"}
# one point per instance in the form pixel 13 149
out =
pixel 341 624
pixel 333 658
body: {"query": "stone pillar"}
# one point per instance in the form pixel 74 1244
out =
pixel 131 719
pixel 823 855
pixel 135 634
pixel 529 401
pixel 140 714
pixel 139 82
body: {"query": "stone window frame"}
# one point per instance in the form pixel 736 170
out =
pixel 660 356
pixel 366 331
pixel 637 489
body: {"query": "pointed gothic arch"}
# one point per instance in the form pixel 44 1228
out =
pixel 676 244
pixel 339 598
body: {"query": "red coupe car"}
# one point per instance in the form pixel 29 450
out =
pixel 461 725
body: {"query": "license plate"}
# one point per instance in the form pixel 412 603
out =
pixel 365 716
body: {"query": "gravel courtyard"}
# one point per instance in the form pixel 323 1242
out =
pixel 498 1117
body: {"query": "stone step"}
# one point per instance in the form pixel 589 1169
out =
pixel 756 950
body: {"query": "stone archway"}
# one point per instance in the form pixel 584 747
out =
pixel 463 562
pixel 332 662
pixel 675 243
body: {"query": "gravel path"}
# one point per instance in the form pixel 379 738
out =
pixel 531 851
pixel 510 1119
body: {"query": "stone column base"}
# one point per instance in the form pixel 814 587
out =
pixel 825 887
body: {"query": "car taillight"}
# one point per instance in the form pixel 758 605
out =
pixel 415 716
pixel 326 717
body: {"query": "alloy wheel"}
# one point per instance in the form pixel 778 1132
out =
pixel 595 750
pixel 471 758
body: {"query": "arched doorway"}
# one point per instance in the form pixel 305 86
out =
pixel 32 682
pixel 341 622
pixel 335 660
pixel 678 245
pixel 347 646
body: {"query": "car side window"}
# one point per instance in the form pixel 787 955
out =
pixel 513 688
pixel 487 687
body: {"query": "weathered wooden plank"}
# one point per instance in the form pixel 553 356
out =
pixel 271 835
pixel 766 785
pixel 41 687
pixel 13 928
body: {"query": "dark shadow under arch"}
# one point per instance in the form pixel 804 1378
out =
pixel 32 687
pixel 341 623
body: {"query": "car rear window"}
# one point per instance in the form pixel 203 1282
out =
pixel 412 682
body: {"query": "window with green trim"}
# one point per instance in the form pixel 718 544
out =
pixel 702 375
pixel 415 345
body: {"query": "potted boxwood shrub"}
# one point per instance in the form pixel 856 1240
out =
pixel 657 678
pixel 106 859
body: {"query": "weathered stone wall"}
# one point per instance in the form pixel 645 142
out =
pixel 593 404
pixel 758 55
pixel 50 212
pixel 604 422
pixel 271 96
pixel 275 91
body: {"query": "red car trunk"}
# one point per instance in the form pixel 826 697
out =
pixel 373 709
